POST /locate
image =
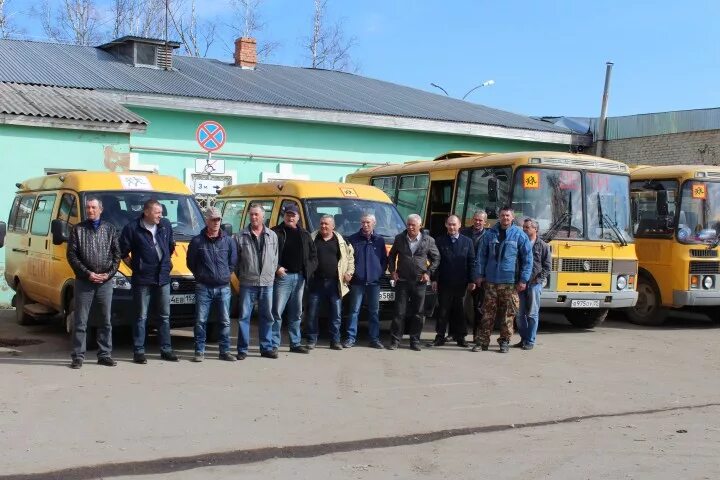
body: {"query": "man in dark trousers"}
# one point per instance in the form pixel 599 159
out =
pixel 94 256
pixel 413 259
pixel 297 260
pixel 452 279
pixel 473 300
pixel 211 257
pixel 146 245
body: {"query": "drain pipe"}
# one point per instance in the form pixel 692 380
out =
pixel 602 121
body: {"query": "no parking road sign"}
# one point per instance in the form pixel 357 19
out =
pixel 211 136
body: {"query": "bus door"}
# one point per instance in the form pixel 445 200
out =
pixel 440 206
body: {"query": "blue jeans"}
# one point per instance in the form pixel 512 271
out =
pixel 323 290
pixel 371 292
pixel 288 291
pixel 205 297
pixel 157 297
pixel 92 299
pixel 247 298
pixel 528 316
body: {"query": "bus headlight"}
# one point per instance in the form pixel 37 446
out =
pixel 121 282
pixel 621 282
pixel 546 282
pixel 708 282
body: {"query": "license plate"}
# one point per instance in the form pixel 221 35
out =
pixel 188 298
pixel 387 296
pixel 585 304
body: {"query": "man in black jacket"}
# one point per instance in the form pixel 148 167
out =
pixel 94 255
pixel 146 245
pixel 474 299
pixel 452 279
pixel 297 260
pixel 412 261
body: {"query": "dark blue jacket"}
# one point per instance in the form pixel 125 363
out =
pixel 457 262
pixel 212 260
pixel 370 258
pixel 147 268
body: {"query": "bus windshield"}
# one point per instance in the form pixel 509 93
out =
pixel 182 211
pixel 347 213
pixel 699 218
pixel 608 199
pixel 552 197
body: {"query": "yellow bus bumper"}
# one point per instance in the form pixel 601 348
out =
pixel 622 299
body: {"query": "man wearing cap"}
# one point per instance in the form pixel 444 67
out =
pixel 211 257
pixel 297 260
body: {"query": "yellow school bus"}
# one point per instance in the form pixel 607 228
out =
pixel 676 221
pixel 580 202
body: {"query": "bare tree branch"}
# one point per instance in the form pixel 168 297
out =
pixel 196 37
pixel 327 45
pixel 247 22
pixel 75 21
pixel 8 27
pixel 141 18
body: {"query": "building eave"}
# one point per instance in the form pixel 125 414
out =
pixel 32 121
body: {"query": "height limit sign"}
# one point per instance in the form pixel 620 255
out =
pixel 210 136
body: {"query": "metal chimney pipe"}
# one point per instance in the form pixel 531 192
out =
pixel 602 121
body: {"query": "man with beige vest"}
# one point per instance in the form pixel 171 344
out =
pixel 329 283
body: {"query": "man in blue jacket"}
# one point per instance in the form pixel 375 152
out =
pixel 211 258
pixel 504 263
pixel 370 265
pixel 451 280
pixel 146 245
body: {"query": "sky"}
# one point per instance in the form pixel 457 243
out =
pixel 546 57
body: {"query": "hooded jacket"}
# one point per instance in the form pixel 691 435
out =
pixel 509 261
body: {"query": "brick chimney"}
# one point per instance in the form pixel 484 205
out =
pixel 246 53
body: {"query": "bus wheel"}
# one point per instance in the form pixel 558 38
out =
pixel 588 318
pixel 648 309
pixel 20 301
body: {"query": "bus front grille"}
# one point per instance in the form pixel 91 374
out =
pixel 703 253
pixel 704 267
pixel 584 265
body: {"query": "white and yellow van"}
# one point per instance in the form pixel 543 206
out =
pixel 42 213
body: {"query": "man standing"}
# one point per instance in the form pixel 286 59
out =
pixel 412 261
pixel 528 317
pixel 146 245
pixel 473 300
pixel 370 266
pixel 329 283
pixel 297 259
pixel 257 248
pixel 504 264
pixel 211 257
pixel 452 279
pixel 94 255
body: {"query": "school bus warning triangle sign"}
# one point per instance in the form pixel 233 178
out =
pixel 699 191
pixel 531 180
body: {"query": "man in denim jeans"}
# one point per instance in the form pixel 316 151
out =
pixel 528 315
pixel 146 245
pixel 257 248
pixel 370 265
pixel 297 259
pixel 211 257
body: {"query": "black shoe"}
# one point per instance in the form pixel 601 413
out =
pixel 478 348
pixel 76 363
pixel 242 356
pixel 335 346
pixel 348 344
pixel 299 349
pixel 415 347
pixel 269 353
pixel 107 361
pixel 462 343
pixel 393 345
pixel 519 344
pixel 504 347
pixel 438 342
pixel 139 358
pixel 528 346
pixel 310 346
pixel 227 356
pixel 169 356
pixel 376 344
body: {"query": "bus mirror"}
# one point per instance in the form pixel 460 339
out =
pixel 60 231
pixel 492 189
pixel 227 228
pixel 662 203
pixel 3 231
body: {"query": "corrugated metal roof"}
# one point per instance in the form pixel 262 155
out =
pixel 645 125
pixel 90 67
pixel 64 103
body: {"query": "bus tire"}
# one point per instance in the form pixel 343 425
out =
pixel 587 318
pixel 648 310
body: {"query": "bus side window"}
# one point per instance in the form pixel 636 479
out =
pixel 68 210
pixel 20 214
pixel 489 190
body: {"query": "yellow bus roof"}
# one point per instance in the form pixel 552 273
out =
pixel 304 189
pixel 84 181
pixel 707 172
pixel 548 159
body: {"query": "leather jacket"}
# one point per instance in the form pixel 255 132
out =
pixel 93 250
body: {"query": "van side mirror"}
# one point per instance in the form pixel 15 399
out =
pixel 662 203
pixel 492 189
pixel 227 228
pixel 60 230
pixel 3 231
